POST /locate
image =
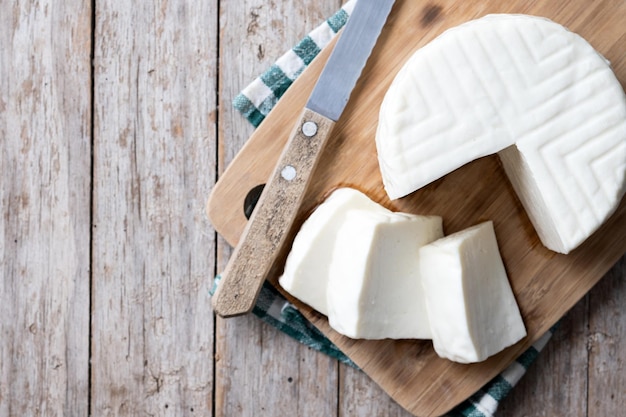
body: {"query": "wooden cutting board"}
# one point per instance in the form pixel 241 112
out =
pixel 545 284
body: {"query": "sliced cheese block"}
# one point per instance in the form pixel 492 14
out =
pixel 525 86
pixel 374 285
pixel 472 310
pixel 306 268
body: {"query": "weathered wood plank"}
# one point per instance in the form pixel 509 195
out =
pixel 259 371
pixel 563 362
pixel 155 156
pixel 266 373
pixel 44 200
pixel 556 383
pixel 360 396
pixel 154 149
pixel 581 371
pixel 606 341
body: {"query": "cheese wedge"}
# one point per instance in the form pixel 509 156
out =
pixel 472 310
pixel 374 284
pixel 306 268
pixel 523 86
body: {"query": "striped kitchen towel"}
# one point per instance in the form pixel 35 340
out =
pixel 254 103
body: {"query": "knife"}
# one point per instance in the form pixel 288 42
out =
pixel 278 205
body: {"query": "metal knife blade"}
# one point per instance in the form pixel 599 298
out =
pixel 278 205
pixel 344 66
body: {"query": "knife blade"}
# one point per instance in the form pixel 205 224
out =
pixel 278 205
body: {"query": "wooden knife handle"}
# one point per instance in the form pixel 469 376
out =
pixel 272 217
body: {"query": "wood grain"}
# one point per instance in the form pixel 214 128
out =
pixel 546 285
pixel 44 201
pixel 580 373
pixel 253 34
pixel 556 384
pixel 156 64
pixel 155 102
pixel 359 396
pixel 605 343
pixel 271 221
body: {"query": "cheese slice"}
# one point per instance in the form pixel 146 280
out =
pixel 523 86
pixel 374 284
pixel 472 310
pixel 306 268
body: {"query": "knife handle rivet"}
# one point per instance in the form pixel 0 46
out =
pixel 288 173
pixel 309 129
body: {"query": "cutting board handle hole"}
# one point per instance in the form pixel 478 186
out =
pixel 251 199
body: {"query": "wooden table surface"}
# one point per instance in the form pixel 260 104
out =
pixel 115 122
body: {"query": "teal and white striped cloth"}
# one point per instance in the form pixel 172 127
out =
pixel 258 98
pixel 254 103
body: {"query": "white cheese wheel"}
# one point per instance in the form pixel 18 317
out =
pixel 374 285
pixel 306 268
pixel 521 84
pixel 472 310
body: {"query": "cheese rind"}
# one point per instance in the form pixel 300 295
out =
pixel 523 86
pixel 374 286
pixel 306 269
pixel 472 310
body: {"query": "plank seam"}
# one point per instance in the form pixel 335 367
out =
pixel 92 130
pixel 215 178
